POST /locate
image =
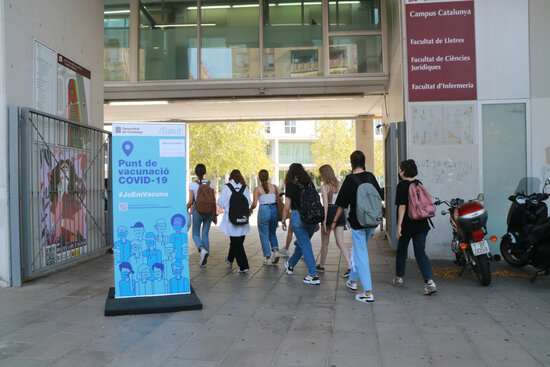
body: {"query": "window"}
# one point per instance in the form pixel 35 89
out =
pixel 290 127
pixel 291 152
pixel 378 128
pixel 267 125
pixel 116 41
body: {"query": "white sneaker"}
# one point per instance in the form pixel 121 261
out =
pixel 284 252
pixel 275 257
pixel 229 263
pixel 204 258
pixel 268 262
pixel 362 297
pixel 352 287
pixel 289 269
pixel 312 280
pixel 429 289
pixel 244 271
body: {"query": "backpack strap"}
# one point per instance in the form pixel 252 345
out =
pixel 356 179
pixel 231 188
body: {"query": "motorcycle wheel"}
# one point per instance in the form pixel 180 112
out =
pixel 506 251
pixel 482 270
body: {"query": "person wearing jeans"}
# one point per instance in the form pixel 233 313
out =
pixel 408 229
pixel 268 217
pixel 303 231
pixel 198 220
pixel 360 269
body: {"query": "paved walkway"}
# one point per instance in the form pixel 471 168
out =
pixel 267 318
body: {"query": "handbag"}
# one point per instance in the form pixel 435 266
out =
pixel 280 204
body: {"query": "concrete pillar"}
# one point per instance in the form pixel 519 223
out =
pixel 364 140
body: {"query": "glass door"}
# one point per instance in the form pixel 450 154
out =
pixel 504 161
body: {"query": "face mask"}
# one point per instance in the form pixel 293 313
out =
pixel 125 274
pixel 122 235
pixel 150 243
pixel 176 271
pixel 177 228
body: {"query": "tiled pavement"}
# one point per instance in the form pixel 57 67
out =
pixel 267 318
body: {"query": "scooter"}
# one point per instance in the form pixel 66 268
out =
pixel 468 221
pixel 527 241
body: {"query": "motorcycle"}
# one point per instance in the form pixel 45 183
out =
pixel 468 221
pixel 527 240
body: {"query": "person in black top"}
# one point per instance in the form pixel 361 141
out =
pixel 360 235
pixel 296 176
pixel 407 229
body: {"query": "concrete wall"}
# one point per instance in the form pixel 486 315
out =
pixel 73 28
pixel 364 141
pixel 539 47
pixel 395 97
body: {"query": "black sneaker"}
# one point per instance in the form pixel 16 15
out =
pixel 346 274
pixel 320 269
pixel 312 280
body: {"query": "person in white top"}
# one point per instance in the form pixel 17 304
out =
pixel 329 192
pixel 235 232
pixel 203 244
pixel 268 217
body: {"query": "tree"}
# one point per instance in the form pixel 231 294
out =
pixel 379 158
pixel 223 147
pixel 335 142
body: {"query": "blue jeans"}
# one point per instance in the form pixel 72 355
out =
pixel 268 217
pixel 303 233
pixel 360 257
pixel 419 245
pixel 204 220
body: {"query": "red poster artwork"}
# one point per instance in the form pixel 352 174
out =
pixel 441 58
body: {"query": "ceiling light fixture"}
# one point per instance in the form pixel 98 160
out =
pixel 138 103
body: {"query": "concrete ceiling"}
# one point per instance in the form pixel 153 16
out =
pixel 250 109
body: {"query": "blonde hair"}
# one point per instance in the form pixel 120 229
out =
pixel 328 177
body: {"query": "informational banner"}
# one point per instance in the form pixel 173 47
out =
pixel 61 86
pixel 151 256
pixel 63 205
pixel 441 56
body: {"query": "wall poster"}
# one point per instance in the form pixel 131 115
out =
pixel 151 256
pixel 61 86
pixel 441 57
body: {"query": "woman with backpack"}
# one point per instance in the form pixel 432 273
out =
pixel 408 229
pixel 202 207
pixel 298 180
pixel 360 234
pixel 329 193
pixel 235 200
pixel 268 217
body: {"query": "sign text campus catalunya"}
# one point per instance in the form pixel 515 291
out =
pixel 441 50
pixel 151 256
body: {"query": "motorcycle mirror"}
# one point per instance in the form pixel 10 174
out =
pixel 480 197
pixel 547 182
pixel 443 212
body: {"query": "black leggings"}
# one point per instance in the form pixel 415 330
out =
pixel 236 251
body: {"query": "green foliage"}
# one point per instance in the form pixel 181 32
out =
pixel 379 158
pixel 335 142
pixel 223 147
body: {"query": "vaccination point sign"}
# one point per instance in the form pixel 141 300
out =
pixel 151 256
pixel 441 50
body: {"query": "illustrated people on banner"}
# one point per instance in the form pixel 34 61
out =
pixel 152 254
pixel 139 231
pixel 178 283
pixel 160 227
pixel 123 244
pixel 177 238
pixel 67 195
pixel 144 285
pixel 136 258
pixel 169 259
pixel 126 282
pixel 159 283
pixel 117 259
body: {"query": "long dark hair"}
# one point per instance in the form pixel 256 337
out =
pixel 263 175
pixel 200 171
pixel 297 172
pixel 236 176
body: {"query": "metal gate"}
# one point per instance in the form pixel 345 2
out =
pixel 63 193
pixel 395 150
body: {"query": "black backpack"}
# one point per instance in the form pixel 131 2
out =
pixel 238 207
pixel 311 210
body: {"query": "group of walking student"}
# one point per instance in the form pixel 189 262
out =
pixel 308 213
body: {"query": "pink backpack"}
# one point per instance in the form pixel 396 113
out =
pixel 421 205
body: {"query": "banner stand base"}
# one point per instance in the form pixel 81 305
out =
pixel 144 305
